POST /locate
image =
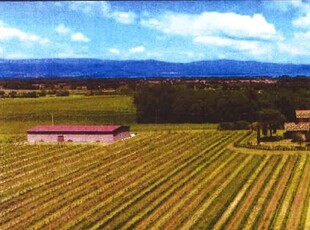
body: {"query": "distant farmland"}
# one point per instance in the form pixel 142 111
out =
pixel 19 114
pixel 157 180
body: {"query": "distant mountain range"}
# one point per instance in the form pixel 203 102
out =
pixel 147 68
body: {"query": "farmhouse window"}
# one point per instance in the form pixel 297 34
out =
pixel 60 139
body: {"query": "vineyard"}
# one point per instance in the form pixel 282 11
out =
pixel 157 180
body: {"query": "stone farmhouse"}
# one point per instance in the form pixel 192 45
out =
pixel 300 128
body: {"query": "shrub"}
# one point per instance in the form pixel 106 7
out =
pixel 62 93
pixel 226 126
pixel 42 93
pixel 32 94
pixel 12 94
pixel 242 125
pixel 239 125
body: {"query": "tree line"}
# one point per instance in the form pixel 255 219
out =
pixel 167 103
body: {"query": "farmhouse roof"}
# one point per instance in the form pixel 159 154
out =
pixel 302 113
pixel 75 129
pixel 302 126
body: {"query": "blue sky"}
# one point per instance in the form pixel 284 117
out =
pixel 271 31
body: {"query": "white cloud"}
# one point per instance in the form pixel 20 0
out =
pixel 298 46
pixel 87 7
pixel 252 47
pixel 137 49
pixel 283 6
pixel 105 10
pixel 62 29
pixel 213 23
pixel 114 51
pixel 226 42
pixel 75 36
pixel 79 37
pixel 291 49
pixel 67 51
pixel 226 32
pixel 302 36
pixel 125 17
pixel 303 22
pixel 9 33
pixel 301 4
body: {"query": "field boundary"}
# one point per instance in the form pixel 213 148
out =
pixel 237 145
pixel 245 150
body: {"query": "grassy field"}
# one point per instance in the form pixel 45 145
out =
pixel 157 180
pixel 19 114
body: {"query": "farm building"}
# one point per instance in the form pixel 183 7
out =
pixel 61 133
pixel 300 128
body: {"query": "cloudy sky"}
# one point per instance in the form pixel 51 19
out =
pixel 272 31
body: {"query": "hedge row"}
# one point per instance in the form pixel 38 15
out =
pixel 238 125
pixel 274 148
pixel 264 147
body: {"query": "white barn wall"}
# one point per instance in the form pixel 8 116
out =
pixel 121 135
pixel 33 138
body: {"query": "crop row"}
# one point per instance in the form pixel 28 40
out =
pixel 126 160
pixel 147 183
pixel 157 180
pixel 108 191
pixel 83 169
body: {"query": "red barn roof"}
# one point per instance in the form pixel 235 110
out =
pixel 77 129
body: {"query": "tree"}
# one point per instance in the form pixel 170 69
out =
pixel 62 93
pixel 257 126
pixel 270 119
pixel 2 93
pixel 42 93
pixel 300 138
pixel 286 106
pixel 12 94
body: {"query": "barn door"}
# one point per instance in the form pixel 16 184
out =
pixel 60 139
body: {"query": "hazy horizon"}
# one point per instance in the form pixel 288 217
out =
pixel 145 60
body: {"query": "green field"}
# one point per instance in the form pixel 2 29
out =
pixel 171 176
pixel 19 114
pixel 157 180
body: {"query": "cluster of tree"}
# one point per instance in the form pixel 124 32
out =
pixel 62 93
pixel 167 103
pixel 33 94
pixel 15 94
pixel 69 83
pixel 133 84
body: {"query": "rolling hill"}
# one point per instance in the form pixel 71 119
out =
pixel 97 68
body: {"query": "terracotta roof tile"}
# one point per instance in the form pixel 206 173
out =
pixel 302 126
pixel 302 113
